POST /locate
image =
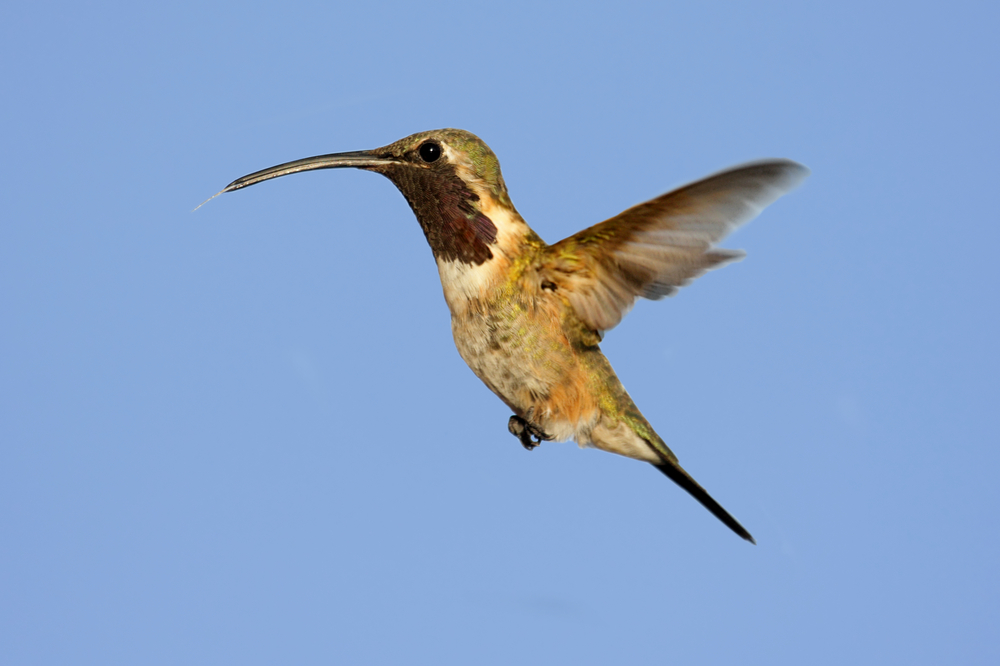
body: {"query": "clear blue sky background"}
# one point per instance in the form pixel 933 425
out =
pixel 243 435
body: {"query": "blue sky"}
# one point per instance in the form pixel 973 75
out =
pixel 243 435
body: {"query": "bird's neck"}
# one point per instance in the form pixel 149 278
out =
pixel 514 242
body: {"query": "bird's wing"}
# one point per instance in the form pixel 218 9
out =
pixel 652 249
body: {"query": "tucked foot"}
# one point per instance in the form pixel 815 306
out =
pixel 524 431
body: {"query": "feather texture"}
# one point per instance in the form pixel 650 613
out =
pixel 656 247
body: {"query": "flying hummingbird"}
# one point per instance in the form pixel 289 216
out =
pixel 528 317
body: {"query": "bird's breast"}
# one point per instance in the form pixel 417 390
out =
pixel 512 337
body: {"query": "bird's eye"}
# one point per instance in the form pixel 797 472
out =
pixel 430 151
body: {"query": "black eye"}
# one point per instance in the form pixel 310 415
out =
pixel 430 151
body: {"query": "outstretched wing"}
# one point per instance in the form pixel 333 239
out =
pixel 652 249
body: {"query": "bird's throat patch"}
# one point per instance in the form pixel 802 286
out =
pixel 446 208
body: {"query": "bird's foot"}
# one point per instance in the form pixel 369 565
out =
pixel 525 431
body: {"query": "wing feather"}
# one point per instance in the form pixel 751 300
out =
pixel 653 249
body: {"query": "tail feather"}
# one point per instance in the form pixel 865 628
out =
pixel 677 474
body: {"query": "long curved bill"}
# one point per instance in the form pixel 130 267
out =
pixel 358 159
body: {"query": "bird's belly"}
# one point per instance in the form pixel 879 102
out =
pixel 532 368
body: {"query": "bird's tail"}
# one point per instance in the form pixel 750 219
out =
pixel 677 474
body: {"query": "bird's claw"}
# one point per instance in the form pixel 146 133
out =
pixel 525 431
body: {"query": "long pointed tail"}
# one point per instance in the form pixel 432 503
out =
pixel 677 474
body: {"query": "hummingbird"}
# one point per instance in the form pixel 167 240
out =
pixel 528 317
